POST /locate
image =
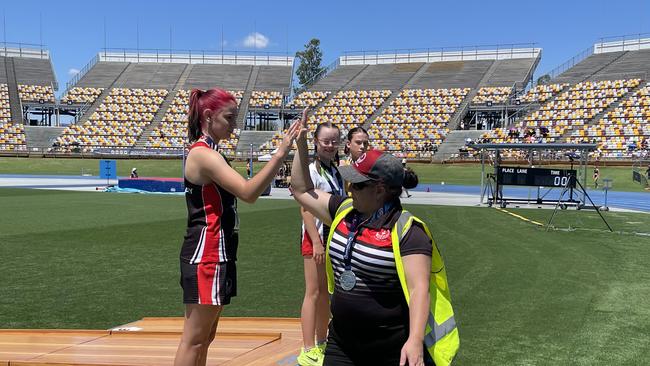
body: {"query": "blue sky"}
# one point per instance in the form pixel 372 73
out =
pixel 74 30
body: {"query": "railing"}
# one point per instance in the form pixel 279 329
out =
pixel 570 63
pixel 75 79
pixel 196 57
pixel 10 49
pixel 463 53
pixel 629 42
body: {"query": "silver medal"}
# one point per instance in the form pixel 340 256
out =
pixel 348 280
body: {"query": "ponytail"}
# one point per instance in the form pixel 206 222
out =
pixel 193 116
pixel 213 99
pixel 410 181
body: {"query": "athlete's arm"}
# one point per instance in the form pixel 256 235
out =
pixel 417 270
pixel 314 235
pixel 213 166
pixel 313 200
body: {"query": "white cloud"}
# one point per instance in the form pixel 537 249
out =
pixel 256 40
pixel 73 72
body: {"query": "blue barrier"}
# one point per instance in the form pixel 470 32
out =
pixel 153 184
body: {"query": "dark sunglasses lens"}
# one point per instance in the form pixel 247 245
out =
pixel 359 186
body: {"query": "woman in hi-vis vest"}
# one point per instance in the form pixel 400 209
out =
pixel 379 260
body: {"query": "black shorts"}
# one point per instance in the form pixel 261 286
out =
pixel 208 283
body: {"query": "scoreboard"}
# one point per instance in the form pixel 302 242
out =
pixel 537 177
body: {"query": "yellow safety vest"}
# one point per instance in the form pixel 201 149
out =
pixel 441 335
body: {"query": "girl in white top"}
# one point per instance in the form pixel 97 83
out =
pixel 315 307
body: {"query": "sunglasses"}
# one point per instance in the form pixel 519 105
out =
pixel 361 185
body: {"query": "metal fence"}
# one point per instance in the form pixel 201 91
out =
pixel 29 50
pixel 463 53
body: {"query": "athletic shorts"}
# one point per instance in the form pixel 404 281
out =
pixel 208 283
pixel 306 245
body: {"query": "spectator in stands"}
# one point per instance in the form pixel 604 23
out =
pixel 544 131
pixel 644 143
pixel 631 147
pixel 314 314
pixel 372 323
pixel 207 257
pixel 134 173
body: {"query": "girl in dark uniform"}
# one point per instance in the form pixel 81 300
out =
pixel 209 252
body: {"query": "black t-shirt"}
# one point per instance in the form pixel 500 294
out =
pixel 377 301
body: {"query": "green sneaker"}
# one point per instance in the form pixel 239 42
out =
pixel 321 347
pixel 313 357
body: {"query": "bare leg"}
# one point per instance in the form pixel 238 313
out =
pixel 200 322
pixel 322 304
pixel 204 353
pixel 308 312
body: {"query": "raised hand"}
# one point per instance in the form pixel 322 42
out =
pixel 289 137
pixel 303 122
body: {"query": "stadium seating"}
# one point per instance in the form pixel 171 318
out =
pixel 81 95
pixel 260 99
pixel 542 93
pixel 622 131
pixel 308 99
pixel 5 110
pixel 172 132
pixel 496 95
pixel 570 110
pixel 416 120
pixel 116 123
pixel 12 136
pixel 36 93
pixel 347 109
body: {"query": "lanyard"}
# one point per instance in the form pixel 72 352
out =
pixel 327 173
pixel 353 230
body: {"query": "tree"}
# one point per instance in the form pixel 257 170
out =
pixel 310 61
pixel 544 79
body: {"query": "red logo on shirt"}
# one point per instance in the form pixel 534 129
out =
pixel 382 234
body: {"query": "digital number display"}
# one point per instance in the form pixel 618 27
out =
pixel 538 177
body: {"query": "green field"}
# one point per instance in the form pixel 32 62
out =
pixel 522 296
pixel 466 174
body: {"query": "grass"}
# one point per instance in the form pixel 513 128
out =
pixel 522 296
pixel 465 174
